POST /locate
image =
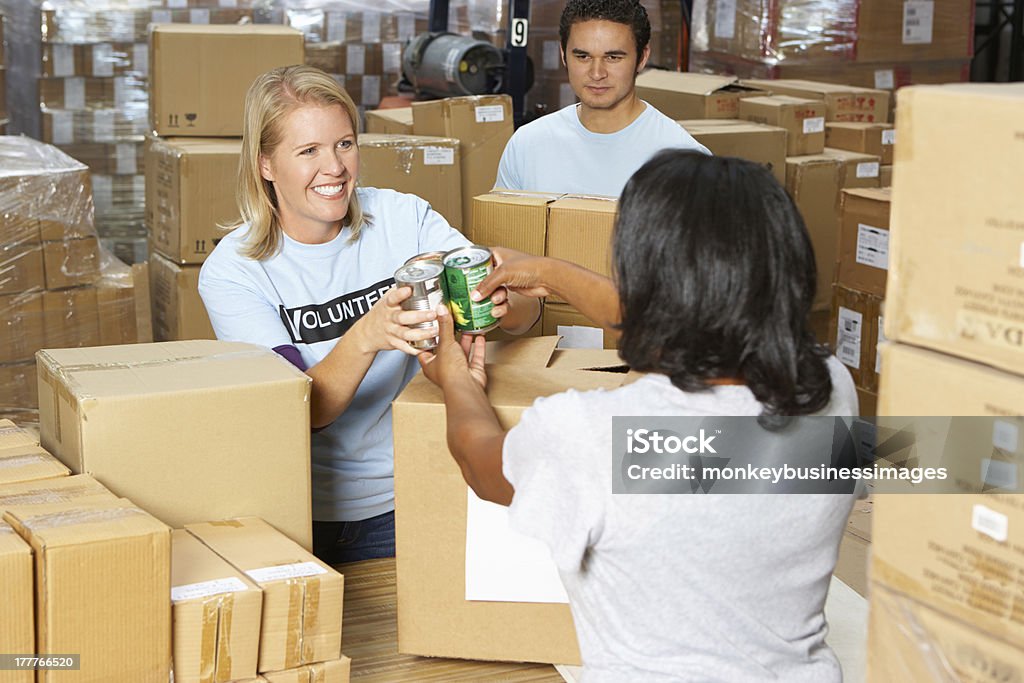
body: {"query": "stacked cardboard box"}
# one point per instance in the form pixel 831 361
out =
pixel 694 95
pixel 944 589
pixel 390 121
pixel 745 139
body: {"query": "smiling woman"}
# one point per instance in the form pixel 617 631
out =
pixel 308 272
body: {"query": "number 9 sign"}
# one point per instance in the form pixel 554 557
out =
pixel 519 32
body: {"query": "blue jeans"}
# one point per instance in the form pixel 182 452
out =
pixel 367 539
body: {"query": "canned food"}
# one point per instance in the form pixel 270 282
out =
pixel 428 256
pixel 464 269
pixel 425 278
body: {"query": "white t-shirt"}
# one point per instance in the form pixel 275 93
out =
pixel 557 153
pixel 677 587
pixel 308 296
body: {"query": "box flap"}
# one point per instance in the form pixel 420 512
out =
pixel 848 156
pixel 691 83
pixel 531 352
pixel 78 523
pixel 586 359
pixel 193 562
pixel 878 194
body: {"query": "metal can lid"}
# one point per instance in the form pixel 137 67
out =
pixel 418 271
pixel 428 256
pixel 467 257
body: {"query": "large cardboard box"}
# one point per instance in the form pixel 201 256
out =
pixel 17 623
pixel 178 310
pixel 689 95
pixel 199 74
pixel 517 220
pixel 28 463
pixel 71 318
pixel 148 420
pixel 57 488
pixel 745 139
pixel 560 316
pixel 21 267
pixel 956 268
pixel 396 121
pixel 856 332
pixel 864 240
pixel 859 170
pixel 102 577
pixel 216 614
pixel 803 119
pixel 72 262
pixel 428 167
pixel 434 616
pixel 335 671
pixel 876 139
pixel 482 124
pixel 914 30
pixel 302 596
pixel 21 326
pixel 580 231
pixel 813 182
pixel 191 185
pixel 843 102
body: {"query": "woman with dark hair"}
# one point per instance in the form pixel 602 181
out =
pixel 714 280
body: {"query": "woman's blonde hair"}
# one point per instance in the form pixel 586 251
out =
pixel 270 99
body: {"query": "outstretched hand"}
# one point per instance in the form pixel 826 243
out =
pixel 452 360
pixel 516 271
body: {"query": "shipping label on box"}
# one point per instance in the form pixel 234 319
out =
pixel 854 333
pixel 864 240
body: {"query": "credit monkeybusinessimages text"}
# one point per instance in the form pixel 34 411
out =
pixel 775 475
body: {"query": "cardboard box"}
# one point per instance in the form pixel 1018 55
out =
pixel 28 463
pixel 54 488
pixel 868 401
pixel 71 263
pixel 147 420
pixel 517 220
pixel 843 102
pixel 21 267
pixel 335 671
pixel 561 319
pixel 13 436
pixel 813 182
pixel 955 265
pixel 482 124
pixel 859 170
pixel 856 331
pixel 199 74
pixel 190 193
pixel 71 318
pixel 864 240
pixel 689 95
pixel 580 231
pixel 744 139
pixel 803 119
pixel 18 390
pixel 913 31
pixel 885 176
pixel 103 576
pixel 434 618
pixel 17 623
pixel 178 311
pixel 427 167
pixel 876 139
pixel 390 121
pixel 216 614
pixel 21 327
pixel 117 315
pixel 921 382
pixel 302 596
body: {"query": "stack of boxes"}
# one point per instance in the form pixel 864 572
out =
pixel 945 575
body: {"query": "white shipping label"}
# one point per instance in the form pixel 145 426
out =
pixel 63 60
pixel 918 16
pixel 1005 435
pixel 337 24
pixel 140 58
pixel 103 125
pixel 286 571
pixel 725 19
pixel 552 55
pixel 491 113
pixel 102 60
pixel 102 192
pixel 987 521
pixel 371 27
pixel 139 188
pixel 867 169
pixel 161 16
pixel 438 156
pixel 889 136
pixel 74 93
pixel 999 474
pixel 391 54
pixel 206 588
pixel 355 60
pixel 199 16
pixel 121 25
pixel 879 340
pixel 815 124
pixel 371 91
pixel 848 337
pixel 872 246
pixel 406 25
pixel 127 160
pixel 885 79
pixel 121 91
pixel 227 3
pixel 177 4
pixel 63 123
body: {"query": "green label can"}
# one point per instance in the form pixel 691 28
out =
pixel 464 269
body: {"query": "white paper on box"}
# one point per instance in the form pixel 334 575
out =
pixel 121 89
pixel 1005 435
pixel 503 565
pixel 127 161
pixel 355 60
pixel 885 79
pixel 999 474
pixel 63 123
pixel 199 16
pixel 63 60
pixel 889 136
pixel 552 55
pixel 371 27
pixel 580 337
pixel 371 91
pixel 139 188
pixel 391 56
pixel 286 571
pixel 336 27
pixel 725 19
pixel 815 124
pixel 987 521
pixel 879 340
pixel 74 93
pixel 867 169
pixel 122 25
pixel 103 191
pixel 872 246
pixel 177 4
pixel 491 113
pixel 918 16
pixel 406 25
pixel 227 3
pixel 231 584
pixel 161 16
pixel 103 125
pixel 848 337
pixel 140 58
pixel 438 156
pixel 102 60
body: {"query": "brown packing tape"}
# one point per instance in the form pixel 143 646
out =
pixel 317 673
pixel 231 523
pixel 224 663
pixel 293 639
pixel 208 640
pixel 310 616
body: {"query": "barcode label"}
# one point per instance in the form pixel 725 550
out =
pixel 872 246
pixel 725 19
pixel 848 337
pixel 815 124
pixel 492 113
pixel 867 169
pixel 917 21
pixel 991 523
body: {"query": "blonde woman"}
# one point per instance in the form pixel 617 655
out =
pixel 308 272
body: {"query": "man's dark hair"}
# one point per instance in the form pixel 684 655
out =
pixel 628 12
pixel 716 275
